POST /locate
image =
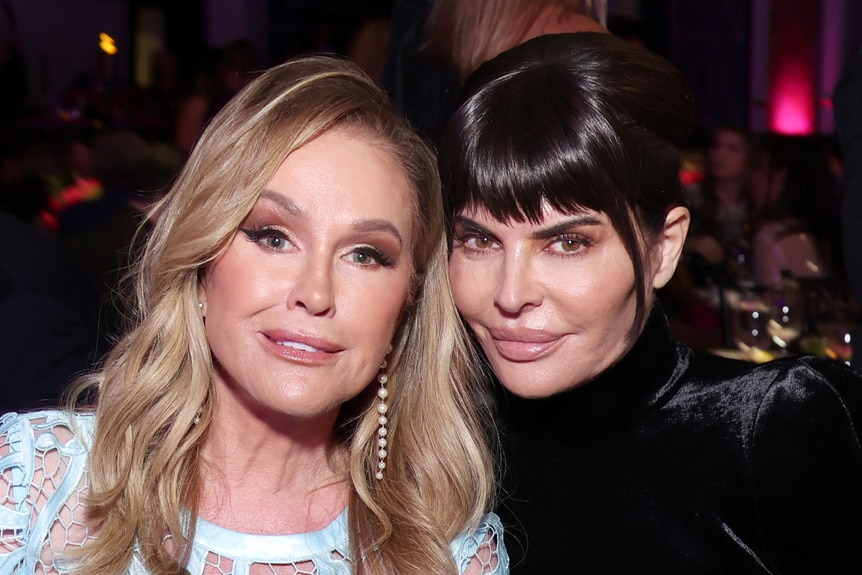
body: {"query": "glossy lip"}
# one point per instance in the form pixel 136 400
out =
pixel 524 345
pixel 314 349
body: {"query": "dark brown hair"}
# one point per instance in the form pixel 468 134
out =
pixel 582 120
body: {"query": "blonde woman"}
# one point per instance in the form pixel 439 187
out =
pixel 296 395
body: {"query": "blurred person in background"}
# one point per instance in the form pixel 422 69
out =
pixel 222 75
pixel 795 213
pixel 435 45
pixel 720 204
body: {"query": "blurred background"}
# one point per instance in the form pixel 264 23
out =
pixel 766 64
pixel 101 101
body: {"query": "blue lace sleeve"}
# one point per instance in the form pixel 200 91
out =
pixel 482 550
pixel 42 481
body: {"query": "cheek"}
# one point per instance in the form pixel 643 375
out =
pixel 601 294
pixel 463 278
pixel 378 306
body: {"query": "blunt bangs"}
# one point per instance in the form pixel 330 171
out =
pixel 519 149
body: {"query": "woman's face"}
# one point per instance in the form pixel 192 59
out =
pixel 728 156
pixel 302 306
pixel 551 303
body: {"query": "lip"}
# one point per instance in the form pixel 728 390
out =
pixel 524 345
pixel 300 347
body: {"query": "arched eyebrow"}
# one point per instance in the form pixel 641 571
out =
pixel 586 219
pixel 378 225
pixel 369 225
pixel 285 203
pixel 567 226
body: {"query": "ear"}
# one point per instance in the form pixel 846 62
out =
pixel 669 244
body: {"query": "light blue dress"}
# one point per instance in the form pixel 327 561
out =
pixel 43 478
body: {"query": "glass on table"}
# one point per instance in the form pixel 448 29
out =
pixel 786 311
pixel 751 325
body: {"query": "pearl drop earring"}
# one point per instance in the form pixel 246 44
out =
pixel 382 420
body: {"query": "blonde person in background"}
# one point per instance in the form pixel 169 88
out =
pixel 434 45
pixel 465 34
pixel 297 394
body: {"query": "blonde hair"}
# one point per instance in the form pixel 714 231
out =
pixel 145 465
pixel 462 34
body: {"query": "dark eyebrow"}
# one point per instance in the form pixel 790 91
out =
pixel 370 225
pixel 567 226
pixel 474 226
pixel 586 219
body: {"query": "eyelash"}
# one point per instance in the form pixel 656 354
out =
pixel 259 235
pixel 463 240
pixel 375 254
pixel 582 241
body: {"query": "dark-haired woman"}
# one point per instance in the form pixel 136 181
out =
pixel 627 451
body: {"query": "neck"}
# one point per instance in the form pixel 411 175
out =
pixel 728 191
pixel 272 473
pixel 556 20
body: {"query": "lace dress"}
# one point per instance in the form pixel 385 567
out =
pixel 43 477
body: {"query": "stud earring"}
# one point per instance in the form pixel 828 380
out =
pixel 382 420
pixel 201 305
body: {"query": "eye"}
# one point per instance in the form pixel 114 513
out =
pixel 270 238
pixel 569 245
pixel 369 256
pixel 477 242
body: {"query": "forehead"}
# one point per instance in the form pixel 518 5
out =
pixel 728 137
pixel 344 171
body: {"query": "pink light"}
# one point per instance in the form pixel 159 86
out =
pixel 792 100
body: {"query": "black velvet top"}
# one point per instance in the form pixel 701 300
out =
pixel 675 462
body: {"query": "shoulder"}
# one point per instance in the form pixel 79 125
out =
pixel 798 377
pixel 810 387
pixel 482 550
pixel 43 458
pixel 46 429
pixel 753 396
pixel 810 374
pixel 38 443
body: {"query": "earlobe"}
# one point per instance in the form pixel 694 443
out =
pixel 670 244
pixel 202 299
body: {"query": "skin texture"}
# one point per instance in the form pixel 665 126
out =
pixel 323 261
pixel 552 303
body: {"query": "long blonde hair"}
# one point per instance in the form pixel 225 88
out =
pixel 144 469
pixel 464 33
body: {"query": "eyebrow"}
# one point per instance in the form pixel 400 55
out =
pixel 566 226
pixel 285 203
pixel 541 234
pixel 369 225
pixel 378 225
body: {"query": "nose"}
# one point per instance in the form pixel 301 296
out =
pixel 313 288
pixel 517 286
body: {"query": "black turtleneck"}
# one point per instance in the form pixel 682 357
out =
pixel 675 462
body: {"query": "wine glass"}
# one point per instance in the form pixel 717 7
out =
pixel 752 322
pixel 785 322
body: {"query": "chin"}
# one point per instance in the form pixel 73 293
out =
pixel 531 388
